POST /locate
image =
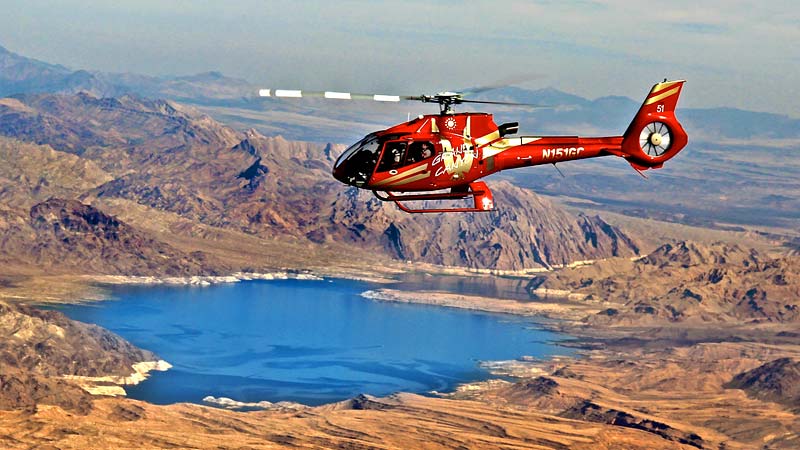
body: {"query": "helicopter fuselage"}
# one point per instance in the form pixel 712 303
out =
pixel 464 147
pixel 454 150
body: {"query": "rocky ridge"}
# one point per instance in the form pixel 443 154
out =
pixel 66 236
pixel 776 381
pixel 40 350
pixel 687 281
pixel 527 231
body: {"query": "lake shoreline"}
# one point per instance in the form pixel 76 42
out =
pixel 165 302
pixel 207 280
pixel 562 311
pixel 114 386
pixel 564 317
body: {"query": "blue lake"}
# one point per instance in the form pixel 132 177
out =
pixel 312 342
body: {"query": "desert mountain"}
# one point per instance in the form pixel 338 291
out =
pixel 31 173
pixel 548 394
pixel 527 231
pixel 65 235
pixel 41 228
pixel 689 281
pixel 776 381
pixel 67 230
pixel 40 347
pixel 170 158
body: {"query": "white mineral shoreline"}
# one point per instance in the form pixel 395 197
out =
pixel 141 371
pixel 229 403
pixel 486 304
pixel 201 280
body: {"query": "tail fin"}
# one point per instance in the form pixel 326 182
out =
pixel 655 135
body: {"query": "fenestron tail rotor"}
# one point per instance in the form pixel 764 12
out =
pixel 446 100
pixel 655 139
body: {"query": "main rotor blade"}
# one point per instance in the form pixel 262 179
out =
pixel 287 93
pixel 443 98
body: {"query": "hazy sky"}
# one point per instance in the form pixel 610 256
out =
pixel 734 53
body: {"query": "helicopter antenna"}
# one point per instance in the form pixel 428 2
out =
pixel 559 171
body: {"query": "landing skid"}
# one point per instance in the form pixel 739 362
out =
pixel 478 190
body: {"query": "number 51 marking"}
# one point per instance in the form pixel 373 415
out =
pixel 660 108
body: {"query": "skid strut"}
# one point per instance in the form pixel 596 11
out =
pixel 478 190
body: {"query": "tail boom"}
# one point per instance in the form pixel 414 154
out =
pixel 655 135
pixel 555 149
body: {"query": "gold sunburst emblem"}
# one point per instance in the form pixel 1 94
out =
pixel 450 123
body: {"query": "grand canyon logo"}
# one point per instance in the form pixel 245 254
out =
pixel 454 161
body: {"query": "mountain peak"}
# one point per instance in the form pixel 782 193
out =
pixel 71 232
pixel 776 381
pixel 528 232
pixel 690 253
pixel 212 75
pixel 549 90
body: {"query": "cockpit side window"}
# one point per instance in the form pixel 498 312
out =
pixel 394 155
pixel 419 151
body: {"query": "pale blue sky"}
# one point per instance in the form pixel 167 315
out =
pixel 734 53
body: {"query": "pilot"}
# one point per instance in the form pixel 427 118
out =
pixel 396 156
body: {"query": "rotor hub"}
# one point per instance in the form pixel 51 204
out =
pixel 656 139
pixel 446 100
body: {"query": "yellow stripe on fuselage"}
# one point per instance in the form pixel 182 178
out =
pixel 418 177
pixel 504 144
pixel 493 136
pixel 401 175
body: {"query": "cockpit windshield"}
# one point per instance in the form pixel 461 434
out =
pixel 354 148
pixel 360 159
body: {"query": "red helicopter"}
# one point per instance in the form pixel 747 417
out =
pixel 452 151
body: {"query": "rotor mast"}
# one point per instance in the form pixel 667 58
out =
pixel 446 100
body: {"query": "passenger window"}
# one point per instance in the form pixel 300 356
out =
pixel 419 150
pixel 393 156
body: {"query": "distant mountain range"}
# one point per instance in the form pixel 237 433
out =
pixel 19 74
pixel 571 113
